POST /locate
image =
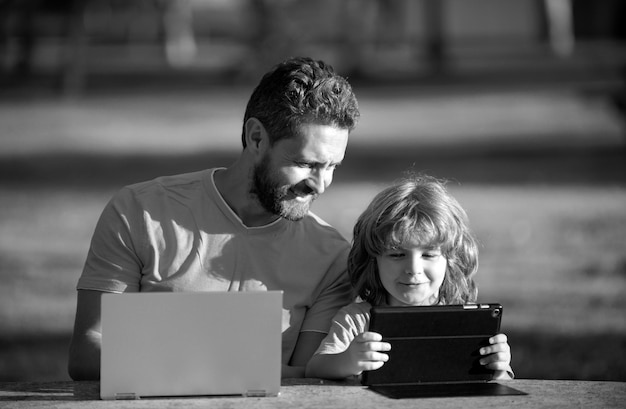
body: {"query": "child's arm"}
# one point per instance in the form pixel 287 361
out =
pixel 497 357
pixel 363 354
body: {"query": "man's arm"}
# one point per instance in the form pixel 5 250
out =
pixel 336 293
pixel 307 344
pixel 84 354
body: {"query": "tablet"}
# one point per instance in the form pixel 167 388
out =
pixel 434 344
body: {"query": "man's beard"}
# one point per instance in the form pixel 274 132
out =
pixel 272 196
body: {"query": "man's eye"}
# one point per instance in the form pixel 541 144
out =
pixel 431 255
pixel 395 255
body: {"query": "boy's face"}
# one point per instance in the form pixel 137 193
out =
pixel 412 275
pixel 295 171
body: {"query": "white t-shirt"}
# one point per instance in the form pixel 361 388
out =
pixel 350 321
pixel 176 233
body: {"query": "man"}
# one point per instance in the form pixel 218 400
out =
pixel 243 228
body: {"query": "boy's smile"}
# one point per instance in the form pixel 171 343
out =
pixel 412 275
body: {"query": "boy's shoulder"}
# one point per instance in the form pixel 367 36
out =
pixel 357 308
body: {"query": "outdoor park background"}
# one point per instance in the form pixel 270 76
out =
pixel 530 135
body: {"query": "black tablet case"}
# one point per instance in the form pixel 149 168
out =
pixel 434 351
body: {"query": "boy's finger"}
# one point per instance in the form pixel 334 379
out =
pixel 498 339
pixel 371 336
pixel 497 366
pixel 494 348
pixel 371 365
pixel 380 346
pixel 496 357
pixel 380 357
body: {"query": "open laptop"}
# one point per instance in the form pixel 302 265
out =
pixel 191 344
pixel 434 351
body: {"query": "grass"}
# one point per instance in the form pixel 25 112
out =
pixel 543 178
pixel 554 256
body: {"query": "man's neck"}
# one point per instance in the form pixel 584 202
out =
pixel 235 190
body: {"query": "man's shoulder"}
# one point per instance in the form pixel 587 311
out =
pixel 316 226
pixel 163 192
pixel 171 182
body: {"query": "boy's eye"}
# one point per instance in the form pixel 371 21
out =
pixel 431 254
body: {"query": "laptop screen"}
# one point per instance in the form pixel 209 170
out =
pixel 182 344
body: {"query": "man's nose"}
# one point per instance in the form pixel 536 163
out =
pixel 319 179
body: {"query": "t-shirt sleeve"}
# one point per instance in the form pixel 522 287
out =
pixel 112 263
pixel 349 322
pixel 335 292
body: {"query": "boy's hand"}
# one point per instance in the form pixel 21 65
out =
pixel 365 352
pixel 497 356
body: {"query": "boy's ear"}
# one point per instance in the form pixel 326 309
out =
pixel 256 135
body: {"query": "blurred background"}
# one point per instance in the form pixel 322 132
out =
pixel 518 103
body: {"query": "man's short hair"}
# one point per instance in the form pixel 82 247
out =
pixel 301 91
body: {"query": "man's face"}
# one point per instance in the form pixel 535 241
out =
pixel 293 172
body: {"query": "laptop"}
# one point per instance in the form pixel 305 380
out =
pixel 434 351
pixel 191 344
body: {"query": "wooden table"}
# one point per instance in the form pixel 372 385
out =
pixel 315 393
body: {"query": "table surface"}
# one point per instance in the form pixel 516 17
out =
pixel 316 393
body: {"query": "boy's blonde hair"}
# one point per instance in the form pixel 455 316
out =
pixel 417 207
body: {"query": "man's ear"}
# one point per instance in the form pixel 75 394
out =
pixel 256 135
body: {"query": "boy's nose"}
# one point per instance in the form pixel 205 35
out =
pixel 415 266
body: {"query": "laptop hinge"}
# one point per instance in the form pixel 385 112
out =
pixel 255 393
pixel 126 396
